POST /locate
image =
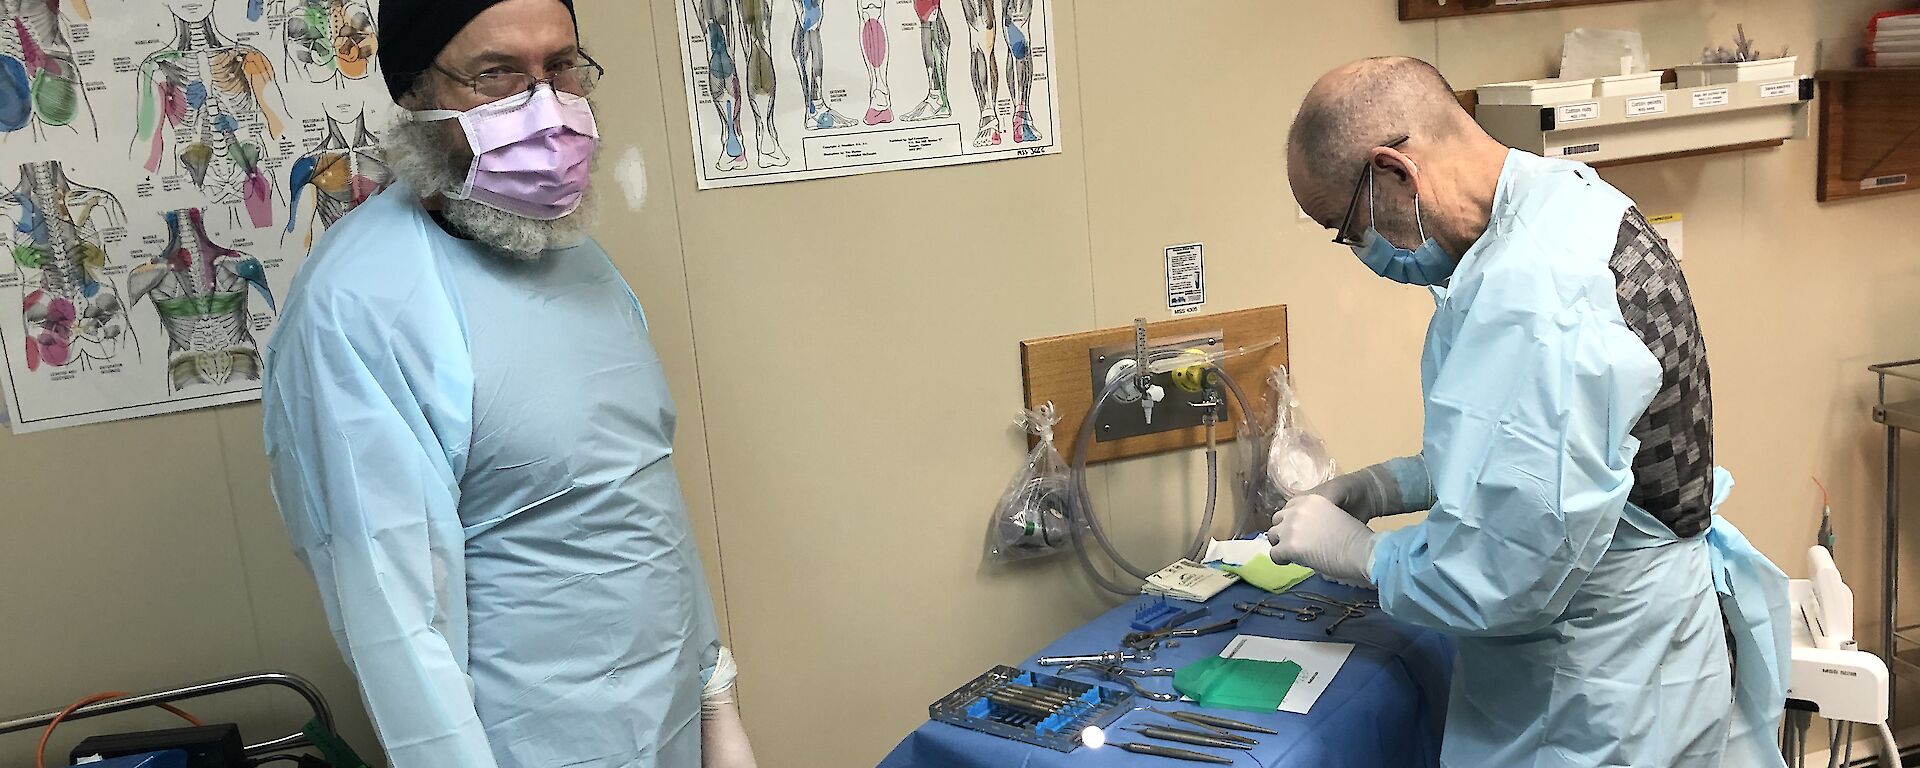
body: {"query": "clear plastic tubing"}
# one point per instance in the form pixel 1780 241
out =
pixel 1081 502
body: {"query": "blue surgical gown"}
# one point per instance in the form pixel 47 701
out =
pixel 473 454
pixel 1589 633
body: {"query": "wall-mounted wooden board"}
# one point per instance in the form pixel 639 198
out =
pixel 1411 10
pixel 1056 369
pixel 1869 132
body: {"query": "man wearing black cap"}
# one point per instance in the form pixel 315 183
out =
pixel 471 437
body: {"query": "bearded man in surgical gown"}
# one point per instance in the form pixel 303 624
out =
pixel 1571 542
pixel 472 438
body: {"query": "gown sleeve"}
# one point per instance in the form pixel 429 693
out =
pixel 366 428
pixel 1528 444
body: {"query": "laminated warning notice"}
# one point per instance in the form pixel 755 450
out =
pixel 1647 105
pixel 1716 97
pixel 1186 278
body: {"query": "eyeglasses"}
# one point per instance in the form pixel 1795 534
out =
pixel 578 78
pixel 1350 231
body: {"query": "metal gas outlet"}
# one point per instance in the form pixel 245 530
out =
pixel 1178 398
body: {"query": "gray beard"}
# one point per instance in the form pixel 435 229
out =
pixel 421 155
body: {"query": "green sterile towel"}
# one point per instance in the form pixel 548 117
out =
pixel 1264 573
pixel 1249 685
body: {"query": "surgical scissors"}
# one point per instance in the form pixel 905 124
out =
pixel 1120 674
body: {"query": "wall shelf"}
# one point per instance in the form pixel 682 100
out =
pixel 1672 123
pixel 1869 132
pixel 1412 10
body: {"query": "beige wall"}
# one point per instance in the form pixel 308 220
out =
pixel 841 509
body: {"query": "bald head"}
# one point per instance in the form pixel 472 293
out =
pixel 1363 105
pixel 1354 111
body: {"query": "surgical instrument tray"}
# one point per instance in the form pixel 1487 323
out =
pixel 1042 710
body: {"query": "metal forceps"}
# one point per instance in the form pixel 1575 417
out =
pixel 1347 610
pixel 1120 674
pixel 1264 608
pixel 1147 641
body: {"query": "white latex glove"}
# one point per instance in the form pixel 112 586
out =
pixel 723 737
pixel 1313 532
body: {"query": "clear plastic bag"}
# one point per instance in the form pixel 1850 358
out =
pixel 1031 519
pixel 1297 459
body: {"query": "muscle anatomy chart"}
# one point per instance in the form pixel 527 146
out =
pixel 328 41
pixel 199 290
pixel 344 169
pixel 73 314
pixel 165 165
pixel 40 83
pixel 210 100
pixel 828 109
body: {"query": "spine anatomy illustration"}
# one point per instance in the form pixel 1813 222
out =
pixel 208 98
pixel 343 173
pixel 199 289
pixel 73 314
pixel 935 42
pixel 327 40
pixel 873 45
pixel 718 20
pixel 807 55
pixel 40 84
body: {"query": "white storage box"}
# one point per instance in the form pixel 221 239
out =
pixel 1698 75
pixel 1530 92
pixel 1628 85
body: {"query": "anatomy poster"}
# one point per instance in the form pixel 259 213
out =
pixel 164 167
pixel 786 90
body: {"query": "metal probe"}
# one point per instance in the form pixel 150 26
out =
pixel 1177 754
pixel 1217 722
pixel 1196 738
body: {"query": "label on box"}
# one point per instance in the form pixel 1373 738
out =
pixel 1779 90
pixel 1877 182
pixel 1647 105
pixel 1580 149
pixel 1575 113
pixel 1716 97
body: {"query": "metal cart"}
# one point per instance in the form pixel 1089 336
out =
pixel 1901 644
pixel 297 684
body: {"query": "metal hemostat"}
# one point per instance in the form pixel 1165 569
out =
pixel 1103 657
pixel 1264 608
pixel 1347 610
pixel 1120 674
pixel 1148 641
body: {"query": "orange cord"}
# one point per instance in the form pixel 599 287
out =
pixel 40 751
pixel 1823 492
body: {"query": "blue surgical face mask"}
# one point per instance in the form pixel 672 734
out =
pixel 1426 265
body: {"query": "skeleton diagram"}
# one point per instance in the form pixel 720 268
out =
pixel 199 289
pixel 809 14
pixel 73 313
pixel 327 40
pixel 717 19
pixel 207 97
pixel 40 84
pixel 1018 18
pixel 343 173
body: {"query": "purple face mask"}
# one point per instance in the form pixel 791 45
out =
pixel 530 152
